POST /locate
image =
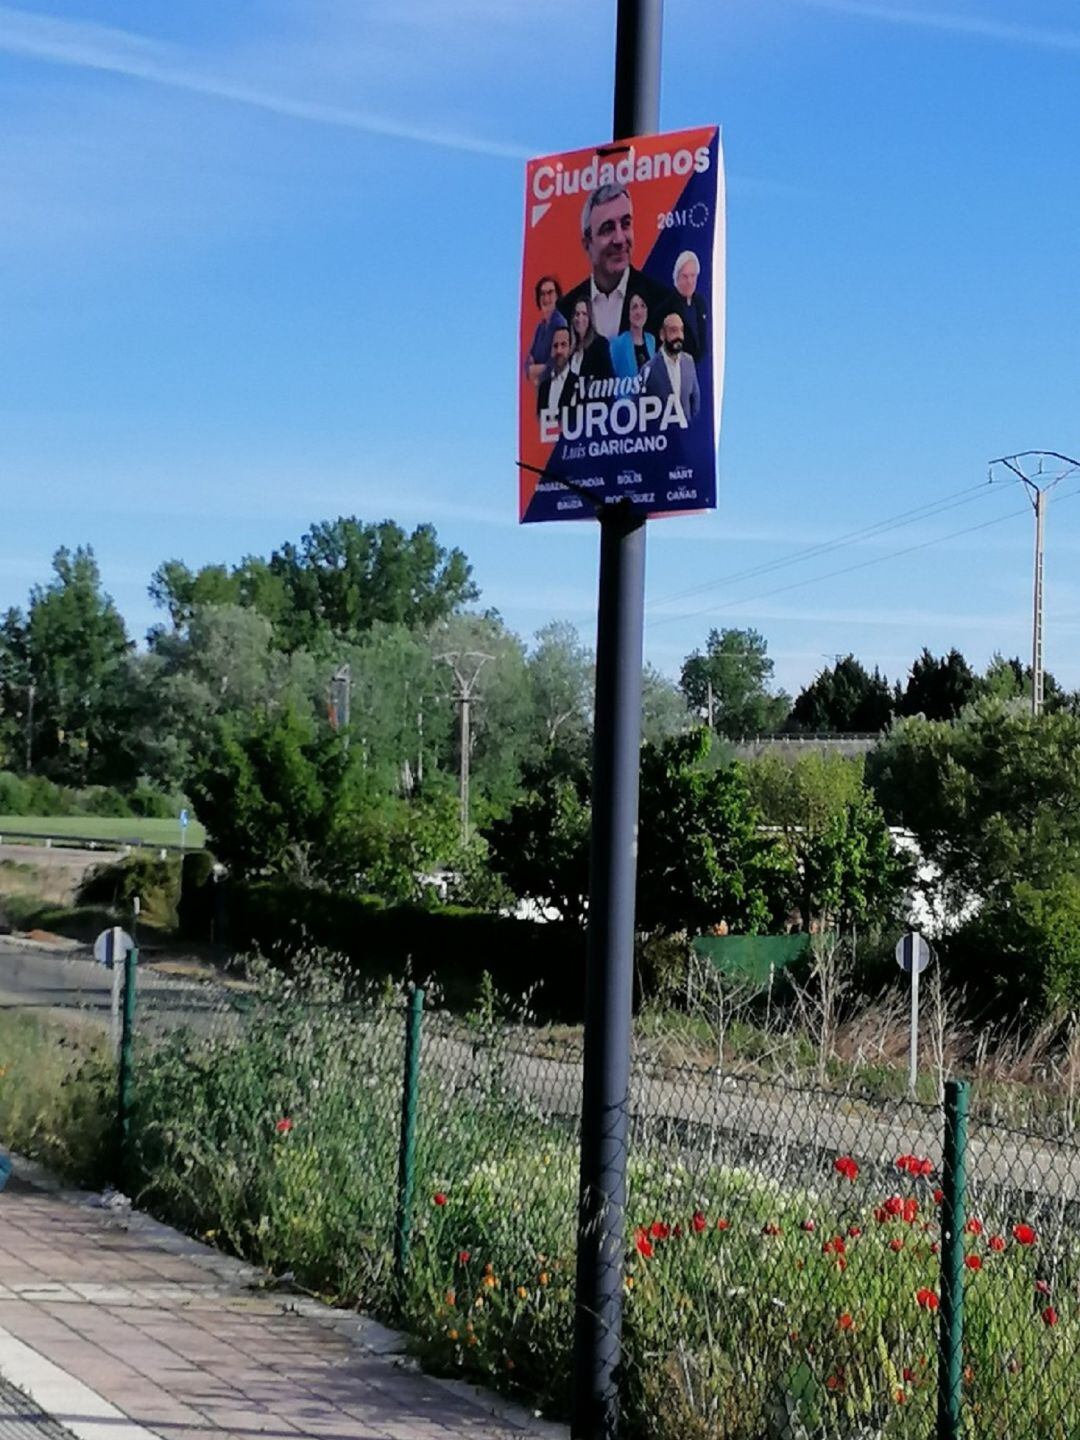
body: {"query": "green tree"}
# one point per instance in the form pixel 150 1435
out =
pixel 844 699
pixel 540 849
pixel 14 690
pixel 703 856
pixel 939 688
pixel 664 711
pixel 77 651
pixel 265 787
pixel 1011 680
pixel 992 799
pixel 731 682
pixel 561 677
pixel 340 579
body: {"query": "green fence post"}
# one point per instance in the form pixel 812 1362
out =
pixel 953 1219
pixel 127 1064
pixel 410 1095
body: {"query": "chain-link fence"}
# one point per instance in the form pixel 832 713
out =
pixel 799 1263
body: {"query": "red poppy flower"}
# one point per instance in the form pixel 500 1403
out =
pixel 904 1162
pixel 1043 1287
pixel 910 1210
pixel 438 1198
pixel 846 1167
pixel 939 1196
pixel 283 1126
pixel 642 1243
pixel 723 1224
pixel 909 1374
pixel 927 1300
pixel 659 1231
pixel 835 1246
pixel 934 1248
pixel 974 1226
pixel 845 1322
pixel 880 1214
pixel 834 1382
pixel 894 1205
pixel 463 1257
pixel 973 1262
pixel 699 1222
pixel 854 1231
pixel 1024 1234
pixel 896 1245
pixel 771 1228
pixel 996 1243
pixel 900 1397
pixel 1050 1316
pixel 809 1226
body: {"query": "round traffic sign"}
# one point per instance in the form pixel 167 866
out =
pixel 112 946
pixel 913 952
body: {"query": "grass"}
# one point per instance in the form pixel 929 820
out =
pixel 56 1095
pixel 104 828
pixel 768 1295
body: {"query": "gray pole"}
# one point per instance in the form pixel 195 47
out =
pixel 613 872
pixel 466 744
pixel 30 727
pixel 1037 683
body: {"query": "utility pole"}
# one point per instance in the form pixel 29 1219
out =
pixel 609 963
pixel 30 693
pixel 465 666
pixel 341 698
pixel 1049 470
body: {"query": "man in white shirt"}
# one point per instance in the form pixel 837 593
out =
pixel 557 389
pixel 607 234
pixel 671 372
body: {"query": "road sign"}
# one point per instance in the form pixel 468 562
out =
pixel 184 819
pixel 111 946
pixel 913 950
pixel 913 955
pixel 620 365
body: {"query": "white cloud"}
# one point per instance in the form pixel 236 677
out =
pixel 120 52
pixel 983 27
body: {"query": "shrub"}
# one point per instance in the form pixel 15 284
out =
pixel 116 884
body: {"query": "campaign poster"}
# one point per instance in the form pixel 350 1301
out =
pixel 622 327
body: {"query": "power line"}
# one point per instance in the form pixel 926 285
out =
pixel 844 570
pixel 906 517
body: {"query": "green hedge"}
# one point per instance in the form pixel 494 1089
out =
pixel 35 795
pixel 449 945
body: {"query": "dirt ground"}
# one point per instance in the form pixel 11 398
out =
pixel 53 874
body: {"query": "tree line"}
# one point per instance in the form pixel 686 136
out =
pixel 235 705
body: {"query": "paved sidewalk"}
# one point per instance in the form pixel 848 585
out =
pixel 123 1330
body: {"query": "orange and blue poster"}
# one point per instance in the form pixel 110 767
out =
pixel 622 327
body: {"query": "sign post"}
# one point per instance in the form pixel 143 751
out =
pixel 913 955
pixel 110 949
pixel 619 375
pixel 184 819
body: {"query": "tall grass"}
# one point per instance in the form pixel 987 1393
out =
pixel 57 1095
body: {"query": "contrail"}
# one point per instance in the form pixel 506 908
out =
pixel 120 52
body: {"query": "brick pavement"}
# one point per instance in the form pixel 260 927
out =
pixel 118 1326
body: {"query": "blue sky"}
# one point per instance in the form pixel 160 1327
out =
pixel 258 266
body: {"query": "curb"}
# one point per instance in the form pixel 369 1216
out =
pixel 360 1330
pixel 69 948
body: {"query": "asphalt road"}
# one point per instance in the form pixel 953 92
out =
pixel 34 978
pixel 734 1121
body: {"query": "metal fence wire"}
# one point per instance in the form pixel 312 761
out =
pixel 798 1263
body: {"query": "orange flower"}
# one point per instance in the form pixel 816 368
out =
pixel 845 1322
